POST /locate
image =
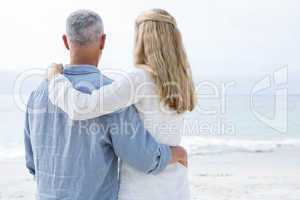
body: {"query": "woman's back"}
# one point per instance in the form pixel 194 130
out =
pixel 166 126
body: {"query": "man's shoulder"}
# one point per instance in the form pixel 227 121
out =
pixel 124 114
pixel 41 88
pixel 39 92
pixel 105 79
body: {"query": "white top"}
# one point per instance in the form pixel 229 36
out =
pixel 166 126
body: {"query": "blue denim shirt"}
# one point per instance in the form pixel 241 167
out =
pixel 78 160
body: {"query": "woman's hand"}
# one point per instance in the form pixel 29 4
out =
pixel 53 70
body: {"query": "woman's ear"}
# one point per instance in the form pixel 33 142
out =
pixel 65 39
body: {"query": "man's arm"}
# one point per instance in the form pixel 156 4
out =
pixel 27 142
pixel 135 146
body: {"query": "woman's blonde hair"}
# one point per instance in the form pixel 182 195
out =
pixel 158 44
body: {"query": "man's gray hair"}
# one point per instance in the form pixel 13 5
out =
pixel 84 27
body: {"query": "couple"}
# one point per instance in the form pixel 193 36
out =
pixel 90 138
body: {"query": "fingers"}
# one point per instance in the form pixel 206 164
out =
pixel 184 160
pixel 53 70
pixel 184 163
pixel 57 67
pixel 183 157
pixel 179 154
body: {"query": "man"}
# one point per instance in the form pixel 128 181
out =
pixel 77 160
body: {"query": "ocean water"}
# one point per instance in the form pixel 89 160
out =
pixel 267 125
pixel 214 127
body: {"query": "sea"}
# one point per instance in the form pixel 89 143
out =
pixel 216 126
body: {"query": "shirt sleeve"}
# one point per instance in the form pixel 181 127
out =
pixel 108 99
pixel 27 142
pixel 134 145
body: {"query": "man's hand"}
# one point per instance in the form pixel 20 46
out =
pixel 54 70
pixel 179 154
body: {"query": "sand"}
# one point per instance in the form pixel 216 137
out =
pixel 228 176
pixel 15 182
pixel 246 176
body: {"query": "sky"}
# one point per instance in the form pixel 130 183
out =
pixel 227 40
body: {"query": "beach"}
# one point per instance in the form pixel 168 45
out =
pixel 246 176
pixel 239 59
pixel 224 176
pixel 15 182
pixel 255 163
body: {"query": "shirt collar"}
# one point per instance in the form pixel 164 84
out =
pixel 80 69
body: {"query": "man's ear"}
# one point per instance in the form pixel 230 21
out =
pixel 65 39
pixel 102 41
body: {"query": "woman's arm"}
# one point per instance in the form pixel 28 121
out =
pixel 107 99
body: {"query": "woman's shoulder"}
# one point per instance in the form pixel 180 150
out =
pixel 141 69
pixel 140 72
pixel 142 81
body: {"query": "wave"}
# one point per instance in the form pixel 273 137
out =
pixel 195 146
pixel 208 146
pixel 11 152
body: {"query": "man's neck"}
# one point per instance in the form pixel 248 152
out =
pixel 83 62
pixel 84 57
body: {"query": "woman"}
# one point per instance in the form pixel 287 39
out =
pixel 162 90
